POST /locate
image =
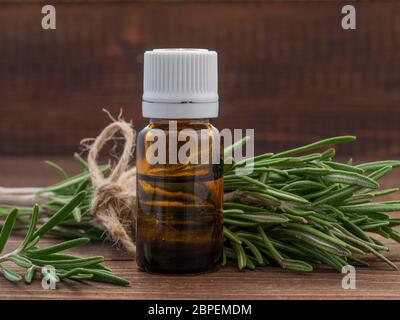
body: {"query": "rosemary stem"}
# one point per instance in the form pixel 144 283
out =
pixel 21 197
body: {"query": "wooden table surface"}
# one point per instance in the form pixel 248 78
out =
pixel 267 283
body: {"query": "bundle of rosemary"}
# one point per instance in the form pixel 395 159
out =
pixel 298 211
pixel 293 210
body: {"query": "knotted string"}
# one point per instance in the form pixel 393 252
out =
pixel 114 200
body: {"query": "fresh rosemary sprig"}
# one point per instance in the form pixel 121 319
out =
pixel 30 257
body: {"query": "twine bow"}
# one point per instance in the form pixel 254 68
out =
pixel 114 200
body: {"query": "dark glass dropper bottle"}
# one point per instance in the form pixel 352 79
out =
pixel 180 195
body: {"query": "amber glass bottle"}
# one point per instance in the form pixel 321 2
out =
pixel 180 219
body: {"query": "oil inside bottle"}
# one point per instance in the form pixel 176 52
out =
pixel 180 219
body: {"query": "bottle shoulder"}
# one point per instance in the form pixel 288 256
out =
pixel 171 126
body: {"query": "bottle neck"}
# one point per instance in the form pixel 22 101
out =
pixel 180 121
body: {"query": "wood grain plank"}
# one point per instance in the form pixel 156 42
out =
pixel 170 1
pixel 227 283
pixel 287 70
pixel 376 282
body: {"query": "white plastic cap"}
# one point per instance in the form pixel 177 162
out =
pixel 180 84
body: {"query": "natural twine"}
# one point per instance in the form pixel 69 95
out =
pixel 114 200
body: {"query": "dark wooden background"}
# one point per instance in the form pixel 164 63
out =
pixel 287 69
